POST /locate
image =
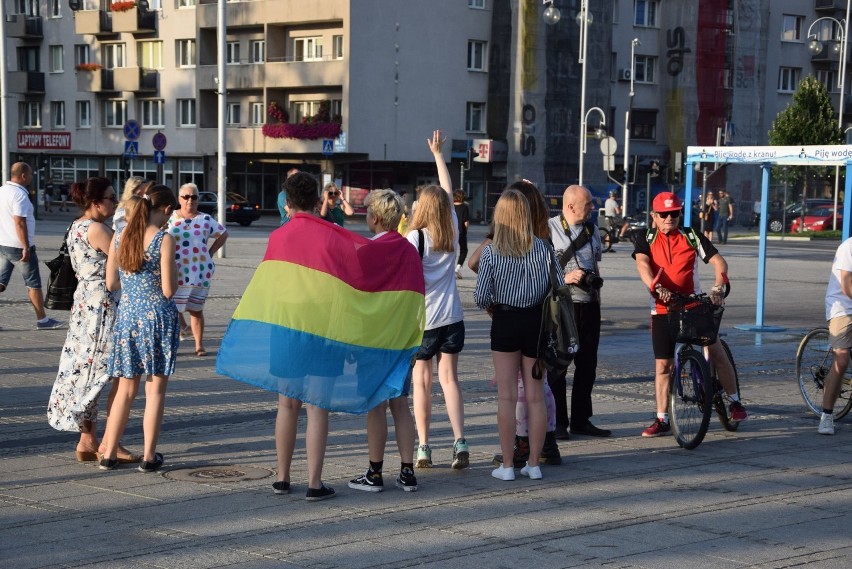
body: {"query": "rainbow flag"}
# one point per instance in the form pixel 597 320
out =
pixel 330 318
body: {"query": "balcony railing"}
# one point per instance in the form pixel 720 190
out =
pixel 136 79
pixel 26 81
pixel 99 81
pixel 24 27
pixel 134 22
pixel 93 22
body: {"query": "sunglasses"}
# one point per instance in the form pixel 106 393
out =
pixel 668 214
pixel 189 197
pixel 334 193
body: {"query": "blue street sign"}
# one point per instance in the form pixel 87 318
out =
pixel 159 141
pixel 159 157
pixel 131 130
pixel 131 149
pixel 327 147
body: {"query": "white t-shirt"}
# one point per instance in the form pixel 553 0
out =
pixel 837 303
pixel 610 207
pixel 443 303
pixel 15 202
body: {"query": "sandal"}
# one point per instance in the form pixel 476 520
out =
pixel 200 353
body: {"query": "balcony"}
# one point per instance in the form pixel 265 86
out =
pixel 31 82
pixel 100 81
pixel 134 22
pixel 24 27
pixel 252 13
pixel 830 4
pixel 242 76
pixel 136 79
pixel 276 74
pixel 93 22
pixel 250 139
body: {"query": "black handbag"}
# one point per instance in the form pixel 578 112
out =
pixel 63 281
pixel 558 338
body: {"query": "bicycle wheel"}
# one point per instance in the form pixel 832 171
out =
pixel 689 398
pixel 813 361
pixel 606 239
pixel 720 397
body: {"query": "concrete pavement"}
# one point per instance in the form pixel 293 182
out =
pixel 773 494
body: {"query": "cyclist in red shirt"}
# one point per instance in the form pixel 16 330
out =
pixel 667 258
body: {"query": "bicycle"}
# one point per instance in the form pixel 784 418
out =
pixel 814 359
pixel 611 233
pixel 695 390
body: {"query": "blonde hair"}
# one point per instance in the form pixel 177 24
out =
pixel 434 213
pixel 513 230
pixel 131 253
pixel 386 206
pixel 131 187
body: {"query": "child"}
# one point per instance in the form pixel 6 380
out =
pixel 146 330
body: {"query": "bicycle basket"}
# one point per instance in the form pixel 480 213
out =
pixel 696 324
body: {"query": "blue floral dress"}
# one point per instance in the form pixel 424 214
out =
pixel 146 329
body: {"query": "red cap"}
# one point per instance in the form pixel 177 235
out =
pixel 666 201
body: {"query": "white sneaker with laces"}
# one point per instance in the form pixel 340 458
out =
pixel 531 472
pixel 506 473
pixel 826 424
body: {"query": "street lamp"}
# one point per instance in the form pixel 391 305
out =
pixel 624 192
pixel 840 46
pixel 600 132
pixel 551 14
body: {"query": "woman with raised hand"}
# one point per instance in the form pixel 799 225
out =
pixel 146 340
pixel 434 232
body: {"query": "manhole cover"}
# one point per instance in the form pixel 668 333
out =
pixel 218 474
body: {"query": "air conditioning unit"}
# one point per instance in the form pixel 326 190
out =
pixel 624 74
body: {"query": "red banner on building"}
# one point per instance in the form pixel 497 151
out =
pixel 28 139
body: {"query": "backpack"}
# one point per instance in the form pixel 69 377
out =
pixel 688 232
pixel 558 339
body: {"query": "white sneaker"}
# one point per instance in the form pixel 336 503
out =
pixel 504 473
pixel 826 424
pixel 532 472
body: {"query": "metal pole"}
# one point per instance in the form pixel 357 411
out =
pixel 221 151
pixel 584 28
pixel 844 46
pixel 703 196
pixel 624 190
pixel 4 99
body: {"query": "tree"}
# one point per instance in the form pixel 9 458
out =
pixel 809 120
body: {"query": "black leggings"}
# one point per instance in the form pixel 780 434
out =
pixel 462 249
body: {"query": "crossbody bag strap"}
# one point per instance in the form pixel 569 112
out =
pixel 576 244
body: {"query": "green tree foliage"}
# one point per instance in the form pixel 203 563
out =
pixel 809 120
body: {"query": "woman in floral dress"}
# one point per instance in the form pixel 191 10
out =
pixel 145 342
pixel 83 373
pixel 191 231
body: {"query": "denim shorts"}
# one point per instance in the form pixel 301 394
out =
pixel 11 256
pixel 447 339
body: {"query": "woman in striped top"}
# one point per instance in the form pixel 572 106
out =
pixel 512 283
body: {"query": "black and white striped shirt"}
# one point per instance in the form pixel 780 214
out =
pixel 517 281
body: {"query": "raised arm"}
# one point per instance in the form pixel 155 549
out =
pixel 435 145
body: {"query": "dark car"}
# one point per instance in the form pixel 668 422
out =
pixel 237 208
pixel 778 218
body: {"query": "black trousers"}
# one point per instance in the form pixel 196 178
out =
pixel 588 318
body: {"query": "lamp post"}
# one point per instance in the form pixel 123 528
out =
pixel 583 20
pixel 841 46
pixel 624 189
pixel 600 132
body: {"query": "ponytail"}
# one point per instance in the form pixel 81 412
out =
pixel 131 253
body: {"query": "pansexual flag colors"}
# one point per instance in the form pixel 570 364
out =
pixel 330 318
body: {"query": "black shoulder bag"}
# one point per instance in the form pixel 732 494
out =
pixel 63 281
pixel 558 339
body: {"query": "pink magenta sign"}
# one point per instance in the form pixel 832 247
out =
pixel 44 140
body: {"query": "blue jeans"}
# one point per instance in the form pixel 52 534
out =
pixel 11 256
pixel 722 228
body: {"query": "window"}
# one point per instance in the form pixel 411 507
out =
pixel 31 114
pixel 82 54
pixel 476 55
pixel 645 13
pixel 55 7
pixel 84 114
pixel 337 47
pixel 645 69
pixel 186 112
pixel 827 78
pixel 336 108
pixel 303 109
pixel 788 79
pixel 151 113
pixel 257 51
pixel 186 3
pixel 474 117
pixel 186 53
pixel 57 113
pixel 57 53
pixel 233 117
pixel 307 49
pixel 479 4
pixel 233 53
pixel 643 125
pixel 28 59
pixel 115 113
pixel 257 114
pixel 791 28
pixel 113 55
pixel 150 54
pixel 27 7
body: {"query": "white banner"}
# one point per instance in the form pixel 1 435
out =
pixel 827 155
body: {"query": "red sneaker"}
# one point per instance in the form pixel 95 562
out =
pixel 657 429
pixel 737 412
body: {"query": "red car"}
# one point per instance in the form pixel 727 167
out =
pixel 818 219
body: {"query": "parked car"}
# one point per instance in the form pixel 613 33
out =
pixel 778 217
pixel 237 208
pixel 819 219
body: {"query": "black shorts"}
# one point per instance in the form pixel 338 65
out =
pixel 447 339
pixel 516 329
pixel 662 337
